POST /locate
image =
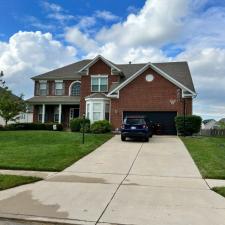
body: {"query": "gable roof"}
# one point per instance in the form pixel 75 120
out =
pixel 168 71
pixel 112 65
pixel 177 72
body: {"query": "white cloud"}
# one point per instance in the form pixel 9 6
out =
pixel 31 53
pixel 157 23
pixel 56 12
pixel 79 39
pixel 52 6
pixel 106 15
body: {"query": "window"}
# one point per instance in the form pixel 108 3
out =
pixel 88 110
pixel 99 84
pixel 58 87
pixel 75 89
pixel 40 114
pixel 56 114
pixel 107 111
pixel 43 88
pixel 97 111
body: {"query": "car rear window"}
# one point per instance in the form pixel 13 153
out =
pixel 134 121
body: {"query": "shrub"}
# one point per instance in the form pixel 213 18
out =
pixel 76 124
pixel 86 128
pixel 192 124
pixel 101 126
pixel 33 126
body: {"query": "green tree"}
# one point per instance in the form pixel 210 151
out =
pixel 10 105
pixel 221 124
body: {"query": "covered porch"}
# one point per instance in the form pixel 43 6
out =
pixel 55 109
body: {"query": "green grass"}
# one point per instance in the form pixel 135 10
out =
pixel 9 181
pixel 209 155
pixel 45 150
pixel 219 190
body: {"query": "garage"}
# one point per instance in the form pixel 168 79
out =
pixel 165 119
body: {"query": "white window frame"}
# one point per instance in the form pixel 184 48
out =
pixel 90 103
pixel 61 82
pixel 41 82
pixel 99 82
pixel 71 85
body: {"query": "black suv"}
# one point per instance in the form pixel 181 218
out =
pixel 136 127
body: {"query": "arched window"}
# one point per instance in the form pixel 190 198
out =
pixel 75 89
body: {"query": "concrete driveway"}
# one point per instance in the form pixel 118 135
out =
pixel 121 183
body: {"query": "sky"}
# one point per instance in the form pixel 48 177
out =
pixel 39 35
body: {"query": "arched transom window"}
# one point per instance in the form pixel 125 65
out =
pixel 75 89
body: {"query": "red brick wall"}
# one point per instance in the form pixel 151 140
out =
pixel 140 95
pixel 98 68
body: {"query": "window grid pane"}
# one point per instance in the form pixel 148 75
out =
pixel 99 84
pixel 75 91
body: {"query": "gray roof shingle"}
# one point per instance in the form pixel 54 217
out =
pixel 177 70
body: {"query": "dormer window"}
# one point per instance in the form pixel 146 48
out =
pixel 75 89
pixel 59 87
pixel 99 83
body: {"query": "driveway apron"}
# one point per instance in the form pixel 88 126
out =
pixel 120 183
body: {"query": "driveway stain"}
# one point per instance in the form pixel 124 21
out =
pixel 77 179
pixel 23 203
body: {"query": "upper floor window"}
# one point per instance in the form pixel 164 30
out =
pixel 99 83
pixel 75 89
pixel 59 87
pixel 43 88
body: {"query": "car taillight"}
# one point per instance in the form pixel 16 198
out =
pixel 144 126
pixel 122 126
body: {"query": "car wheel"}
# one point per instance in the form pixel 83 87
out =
pixel 146 139
pixel 123 138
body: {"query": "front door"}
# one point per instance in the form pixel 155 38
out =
pixel 74 112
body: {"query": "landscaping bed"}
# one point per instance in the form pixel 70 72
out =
pixel 9 181
pixel 208 154
pixel 45 150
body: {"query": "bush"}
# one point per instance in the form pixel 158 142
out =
pixel 101 126
pixel 33 126
pixel 192 124
pixel 76 124
pixel 86 128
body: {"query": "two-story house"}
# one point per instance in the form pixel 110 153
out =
pixel 101 89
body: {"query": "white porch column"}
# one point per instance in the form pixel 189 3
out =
pixel 60 113
pixel 43 113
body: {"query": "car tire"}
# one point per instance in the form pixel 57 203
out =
pixel 147 139
pixel 123 138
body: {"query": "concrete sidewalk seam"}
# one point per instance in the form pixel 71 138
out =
pixel 119 185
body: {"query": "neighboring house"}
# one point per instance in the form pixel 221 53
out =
pixel 209 124
pixel 101 90
pixel 23 117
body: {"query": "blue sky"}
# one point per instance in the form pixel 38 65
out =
pixel 39 35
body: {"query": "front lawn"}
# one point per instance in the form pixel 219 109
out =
pixel 45 150
pixel 9 181
pixel 209 155
pixel 219 190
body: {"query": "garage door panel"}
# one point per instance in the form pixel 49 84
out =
pixel 165 119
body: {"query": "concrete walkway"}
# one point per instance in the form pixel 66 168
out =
pixel 121 183
pixel 41 174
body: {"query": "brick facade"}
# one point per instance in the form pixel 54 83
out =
pixel 140 95
pixel 98 68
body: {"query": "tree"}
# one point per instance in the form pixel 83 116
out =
pixel 10 105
